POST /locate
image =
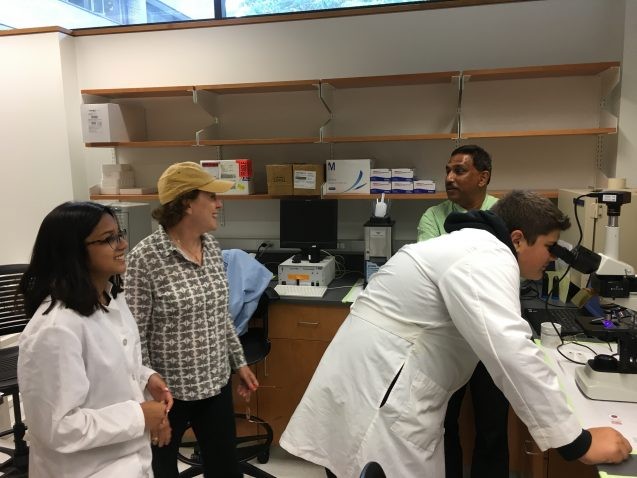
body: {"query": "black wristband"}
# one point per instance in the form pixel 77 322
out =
pixel 577 448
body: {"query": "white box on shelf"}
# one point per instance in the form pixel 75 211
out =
pixel 378 187
pixel 234 169
pixel 211 167
pixel 380 174
pixel 402 174
pixel 112 123
pixel 242 186
pixel 347 176
pixel 424 186
pixel 402 187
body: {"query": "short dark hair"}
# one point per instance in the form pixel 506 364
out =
pixel 59 261
pixel 172 212
pixel 531 213
pixel 481 159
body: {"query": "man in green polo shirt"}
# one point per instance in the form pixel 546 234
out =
pixel 468 174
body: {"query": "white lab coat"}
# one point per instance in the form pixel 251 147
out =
pixel 82 381
pixel 434 310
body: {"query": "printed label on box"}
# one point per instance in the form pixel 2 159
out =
pixel 304 179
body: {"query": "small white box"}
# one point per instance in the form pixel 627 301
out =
pixel 115 168
pixel 424 186
pixel 113 123
pixel 235 169
pixel 349 176
pixel 402 187
pixel 380 174
pixel 378 187
pixel 211 167
pixel 402 174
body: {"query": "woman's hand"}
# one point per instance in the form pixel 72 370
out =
pixel 154 414
pixel 161 436
pixel 248 383
pixel 158 389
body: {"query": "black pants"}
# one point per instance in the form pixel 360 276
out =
pixel 491 448
pixel 212 421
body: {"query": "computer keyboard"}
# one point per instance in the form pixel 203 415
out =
pixel 567 318
pixel 300 290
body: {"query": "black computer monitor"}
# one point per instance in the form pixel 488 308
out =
pixel 309 225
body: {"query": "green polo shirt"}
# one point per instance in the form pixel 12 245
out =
pixel 433 220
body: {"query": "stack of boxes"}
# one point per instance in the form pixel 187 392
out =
pixel 117 178
pixel 295 179
pixel 239 171
pixel 402 181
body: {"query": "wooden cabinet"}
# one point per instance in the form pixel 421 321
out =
pixel 525 458
pixel 300 334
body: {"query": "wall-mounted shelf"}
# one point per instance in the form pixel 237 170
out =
pixel 548 193
pixel 549 100
pixel 553 100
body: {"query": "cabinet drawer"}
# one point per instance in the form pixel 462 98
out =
pixel 310 322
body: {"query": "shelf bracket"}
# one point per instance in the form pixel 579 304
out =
pixel 208 102
pixel 459 80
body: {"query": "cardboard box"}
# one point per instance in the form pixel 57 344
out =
pixel 348 176
pixel 308 179
pixel 378 187
pixel 280 181
pixel 424 186
pixel 113 123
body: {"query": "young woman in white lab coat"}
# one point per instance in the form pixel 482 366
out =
pixel 415 335
pixel 79 369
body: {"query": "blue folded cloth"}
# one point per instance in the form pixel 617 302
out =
pixel 247 279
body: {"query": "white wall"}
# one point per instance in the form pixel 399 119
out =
pixel 36 173
pixel 505 35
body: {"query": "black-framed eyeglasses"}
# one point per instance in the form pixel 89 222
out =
pixel 113 240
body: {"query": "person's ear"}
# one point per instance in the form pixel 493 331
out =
pixel 517 236
pixel 484 178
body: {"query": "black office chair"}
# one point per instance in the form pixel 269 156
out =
pixel 256 346
pixel 372 470
pixel 12 320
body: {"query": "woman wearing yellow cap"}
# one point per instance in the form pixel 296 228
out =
pixel 177 290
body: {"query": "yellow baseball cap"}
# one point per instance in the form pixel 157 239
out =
pixel 183 177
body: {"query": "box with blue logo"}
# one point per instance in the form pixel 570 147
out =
pixel 347 176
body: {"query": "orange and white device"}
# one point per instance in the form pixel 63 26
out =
pixel 306 272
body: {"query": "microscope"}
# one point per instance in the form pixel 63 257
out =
pixel 605 377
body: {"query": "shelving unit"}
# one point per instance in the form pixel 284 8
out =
pixel 524 102
pixel 548 193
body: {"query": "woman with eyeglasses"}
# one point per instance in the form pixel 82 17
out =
pixel 80 372
pixel 178 292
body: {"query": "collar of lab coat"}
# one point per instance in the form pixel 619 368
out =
pixel 485 220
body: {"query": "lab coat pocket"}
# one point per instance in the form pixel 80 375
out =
pixel 423 415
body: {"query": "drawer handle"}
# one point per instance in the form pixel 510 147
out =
pixel 303 323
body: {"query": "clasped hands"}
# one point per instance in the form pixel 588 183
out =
pixel 156 411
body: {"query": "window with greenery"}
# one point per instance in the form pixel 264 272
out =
pixel 75 14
